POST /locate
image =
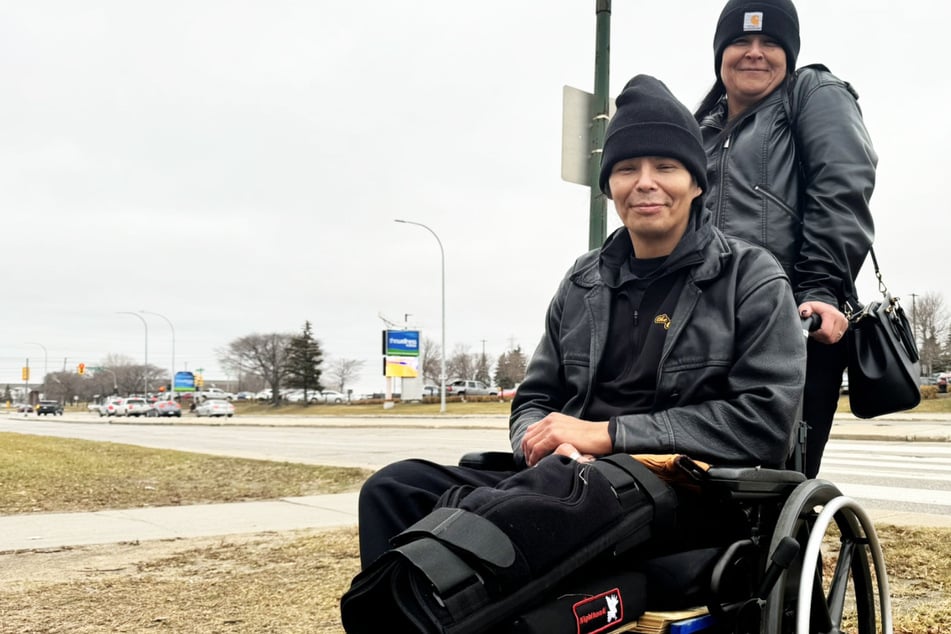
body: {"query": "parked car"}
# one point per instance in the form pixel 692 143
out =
pixel 244 396
pixel 462 387
pixel 111 407
pixel 264 395
pixel 215 407
pixel 49 407
pixel 942 381
pixel 294 396
pixel 332 397
pixel 165 408
pixel 135 406
pixel 214 392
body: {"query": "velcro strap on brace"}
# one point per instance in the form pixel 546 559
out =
pixel 631 480
pixel 458 587
pixel 465 531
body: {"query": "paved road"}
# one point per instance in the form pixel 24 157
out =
pixel 899 476
pixel 905 477
pixel 343 442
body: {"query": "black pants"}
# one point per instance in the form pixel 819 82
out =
pixel 398 495
pixel 824 367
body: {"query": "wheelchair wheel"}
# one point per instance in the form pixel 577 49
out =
pixel 849 591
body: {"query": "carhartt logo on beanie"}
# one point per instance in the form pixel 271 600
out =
pixel 777 19
pixel 650 121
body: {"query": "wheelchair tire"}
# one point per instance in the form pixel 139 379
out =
pixel 797 519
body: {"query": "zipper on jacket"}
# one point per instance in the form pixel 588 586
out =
pixel 778 202
pixel 718 212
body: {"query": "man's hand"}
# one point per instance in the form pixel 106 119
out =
pixel 834 323
pixel 544 437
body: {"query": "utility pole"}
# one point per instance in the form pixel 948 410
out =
pixel 914 317
pixel 597 224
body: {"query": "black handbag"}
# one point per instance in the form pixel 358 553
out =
pixel 884 369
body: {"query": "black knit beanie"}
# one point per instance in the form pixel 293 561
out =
pixel 777 19
pixel 651 122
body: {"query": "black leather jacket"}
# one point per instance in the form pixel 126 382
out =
pixel 806 201
pixel 732 367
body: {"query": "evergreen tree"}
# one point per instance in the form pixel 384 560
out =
pixel 482 372
pixel 510 369
pixel 304 358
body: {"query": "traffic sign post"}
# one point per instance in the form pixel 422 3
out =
pixel 584 122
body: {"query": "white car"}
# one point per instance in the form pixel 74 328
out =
pixel 331 397
pixel 294 396
pixel 111 407
pixel 134 406
pixel 215 407
pixel 207 393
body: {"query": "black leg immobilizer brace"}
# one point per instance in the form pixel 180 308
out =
pixel 492 551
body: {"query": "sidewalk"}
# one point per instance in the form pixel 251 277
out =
pixel 57 530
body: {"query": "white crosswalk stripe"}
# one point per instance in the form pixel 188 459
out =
pixel 892 474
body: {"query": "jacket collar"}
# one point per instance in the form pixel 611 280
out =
pixel 702 247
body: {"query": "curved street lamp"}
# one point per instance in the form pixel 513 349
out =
pixel 442 261
pixel 171 375
pixel 145 324
pixel 45 358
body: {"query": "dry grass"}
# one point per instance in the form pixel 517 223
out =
pixel 40 474
pixel 292 583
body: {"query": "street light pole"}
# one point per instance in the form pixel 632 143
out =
pixel 171 376
pixel 145 325
pixel 45 359
pixel 442 262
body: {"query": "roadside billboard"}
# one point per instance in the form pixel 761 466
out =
pixel 184 382
pixel 401 353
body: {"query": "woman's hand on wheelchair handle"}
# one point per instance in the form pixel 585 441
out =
pixel 834 322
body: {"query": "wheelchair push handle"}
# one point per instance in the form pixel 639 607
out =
pixel 810 324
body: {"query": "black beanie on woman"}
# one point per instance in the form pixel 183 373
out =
pixel 777 19
pixel 651 122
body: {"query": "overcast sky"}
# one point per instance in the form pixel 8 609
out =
pixel 236 166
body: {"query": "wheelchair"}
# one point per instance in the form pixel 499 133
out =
pixel 772 580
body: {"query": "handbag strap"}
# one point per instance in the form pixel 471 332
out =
pixel 878 274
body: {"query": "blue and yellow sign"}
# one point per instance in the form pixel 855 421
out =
pixel 401 343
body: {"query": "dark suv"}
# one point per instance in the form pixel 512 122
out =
pixel 49 407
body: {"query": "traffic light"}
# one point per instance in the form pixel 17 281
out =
pixel 81 369
pixel 199 380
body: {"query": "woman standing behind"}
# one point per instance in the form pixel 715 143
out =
pixel 791 167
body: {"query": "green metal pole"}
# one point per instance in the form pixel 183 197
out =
pixel 597 226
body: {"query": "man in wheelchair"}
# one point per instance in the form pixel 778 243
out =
pixel 672 343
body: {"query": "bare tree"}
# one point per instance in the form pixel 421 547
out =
pixel 343 371
pixel 930 320
pixel 431 361
pixel 462 363
pixel 262 354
